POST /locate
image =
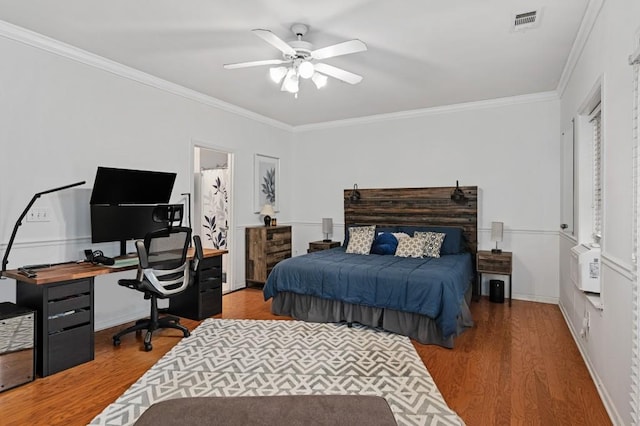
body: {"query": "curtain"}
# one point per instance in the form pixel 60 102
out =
pixel 215 207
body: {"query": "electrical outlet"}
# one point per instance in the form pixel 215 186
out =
pixel 39 215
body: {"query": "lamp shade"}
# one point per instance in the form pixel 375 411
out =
pixel 327 225
pixel 496 231
pixel 267 210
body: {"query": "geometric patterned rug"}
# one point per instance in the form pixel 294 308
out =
pixel 274 357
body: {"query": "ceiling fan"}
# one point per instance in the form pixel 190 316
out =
pixel 299 60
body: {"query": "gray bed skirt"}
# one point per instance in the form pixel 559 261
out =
pixel 418 327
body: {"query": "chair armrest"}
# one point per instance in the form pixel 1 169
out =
pixel 199 253
pixel 143 258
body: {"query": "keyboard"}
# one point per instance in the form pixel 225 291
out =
pixel 122 263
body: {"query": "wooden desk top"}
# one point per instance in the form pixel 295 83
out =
pixel 75 271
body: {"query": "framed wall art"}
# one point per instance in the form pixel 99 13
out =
pixel 266 175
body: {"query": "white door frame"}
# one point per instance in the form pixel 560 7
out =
pixel 195 168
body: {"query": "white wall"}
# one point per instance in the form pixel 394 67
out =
pixel 509 148
pixel 607 346
pixel 60 119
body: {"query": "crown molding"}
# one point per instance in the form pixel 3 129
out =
pixel 486 104
pixel 588 21
pixel 48 44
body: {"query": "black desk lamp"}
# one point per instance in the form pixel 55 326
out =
pixel 5 259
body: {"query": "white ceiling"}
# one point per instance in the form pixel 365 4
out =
pixel 421 53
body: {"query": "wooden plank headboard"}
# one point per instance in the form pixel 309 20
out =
pixel 415 207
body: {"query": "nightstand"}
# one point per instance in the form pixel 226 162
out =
pixel 322 245
pixel 494 263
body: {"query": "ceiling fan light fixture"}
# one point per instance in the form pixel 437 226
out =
pixel 290 83
pixel 306 69
pixel 319 80
pixel 277 73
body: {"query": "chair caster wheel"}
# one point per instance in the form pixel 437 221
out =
pixel 147 347
pixel 116 341
pixel 187 333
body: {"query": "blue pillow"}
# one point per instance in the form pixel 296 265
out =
pixel 384 243
pixel 453 242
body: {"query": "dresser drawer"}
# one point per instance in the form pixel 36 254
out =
pixel 69 348
pixel 68 320
pixel 493 262
pixel 210 262
pixel 82 301
pixel 205 274
pixel 69 289
pixel 210 283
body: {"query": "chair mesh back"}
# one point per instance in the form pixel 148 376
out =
pixel 168 249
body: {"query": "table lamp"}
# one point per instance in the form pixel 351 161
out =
pixel 496 235
pixel 327 228
pixel 267 211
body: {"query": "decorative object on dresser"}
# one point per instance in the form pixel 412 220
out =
pixel 497 230
pixel 265 247
pixel 322 245
pixel 489 262
pixel 266 175
pixel 267 212
pixel 327 228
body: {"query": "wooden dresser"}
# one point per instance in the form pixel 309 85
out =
pixel 265 246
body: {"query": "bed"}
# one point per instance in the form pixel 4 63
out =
pixel 424 298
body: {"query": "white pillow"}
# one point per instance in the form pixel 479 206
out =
pixel 361 239
pixel 411 246
pixel 433 242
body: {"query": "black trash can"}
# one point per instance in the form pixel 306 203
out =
pixel 496 291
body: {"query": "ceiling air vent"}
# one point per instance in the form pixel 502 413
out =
pixel 526 20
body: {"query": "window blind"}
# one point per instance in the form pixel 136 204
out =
pixel 635 344
pixel 596 120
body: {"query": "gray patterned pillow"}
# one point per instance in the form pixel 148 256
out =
pixel 411 246
pixel 361 239
pixel 433 242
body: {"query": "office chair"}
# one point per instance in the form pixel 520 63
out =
pixel 163 271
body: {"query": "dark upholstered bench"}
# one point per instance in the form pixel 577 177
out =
pixel 292 410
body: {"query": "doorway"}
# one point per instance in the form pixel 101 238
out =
pixel 212 202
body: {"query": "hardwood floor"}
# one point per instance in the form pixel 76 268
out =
pixel 518 365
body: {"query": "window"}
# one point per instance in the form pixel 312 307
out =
pixel 634 60
pixel 567 189
pixel 595 118
pixel 588 173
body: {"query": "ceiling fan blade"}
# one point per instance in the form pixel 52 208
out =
pixel 344 48
pixel 275 41
pixel 255 64
pixel 338 73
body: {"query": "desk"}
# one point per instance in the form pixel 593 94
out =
pixel 62 295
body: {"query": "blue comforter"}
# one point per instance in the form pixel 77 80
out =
pixel 430 286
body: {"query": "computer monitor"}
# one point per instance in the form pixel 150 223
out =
pixel 127 204
pixel 125 186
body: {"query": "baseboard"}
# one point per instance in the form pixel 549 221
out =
pixel 534 298
pixel 120 320
pixel 604 395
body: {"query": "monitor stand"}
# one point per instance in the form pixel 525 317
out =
pixel 123 248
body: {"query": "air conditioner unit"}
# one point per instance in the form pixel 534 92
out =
pixel 585 267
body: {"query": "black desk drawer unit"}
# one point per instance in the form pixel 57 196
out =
pixel 65 323
pixel 203 298
pixel 17 345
